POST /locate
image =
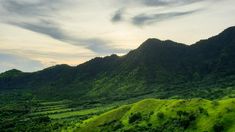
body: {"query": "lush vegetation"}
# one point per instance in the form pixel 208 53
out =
pixel 98 95
pixel 145 115
pixel 166 116
pixel 37 115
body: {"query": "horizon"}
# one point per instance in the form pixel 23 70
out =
pixel 37 34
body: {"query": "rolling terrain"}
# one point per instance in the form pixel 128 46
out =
pixel 166 116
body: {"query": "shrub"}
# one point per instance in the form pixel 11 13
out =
pixel 117 125
pixel 203 111
pixel 182 113
pixel 149 124
pixel 160 115
pixel 43 119
pixel 215 103
pixel 151 113
pixel 218 127
pixel 185 118
pixel 135 117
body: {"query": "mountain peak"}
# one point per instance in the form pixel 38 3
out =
pixel 153 43
pixel 13 72
pixel 152 40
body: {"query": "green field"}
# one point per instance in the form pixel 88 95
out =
pixel 79 112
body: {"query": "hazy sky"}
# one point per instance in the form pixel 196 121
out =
pixel 39 33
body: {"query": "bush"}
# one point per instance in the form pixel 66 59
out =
pixel 185 118
pixel 160 115
pixel 117 125
pixel 43 119
pixel 218 127
pixel 215 103
pixel 135 117
pixel 151 113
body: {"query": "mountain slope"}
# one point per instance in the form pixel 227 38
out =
pixel 157 68
pixel 166 115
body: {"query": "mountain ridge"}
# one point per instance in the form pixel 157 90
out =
pixel 149 40
pixel 156 67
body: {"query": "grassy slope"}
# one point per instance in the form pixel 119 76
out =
pixel 167 115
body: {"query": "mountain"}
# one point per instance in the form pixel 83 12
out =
pixel 176 87
pixel 162 69
pixel 11 73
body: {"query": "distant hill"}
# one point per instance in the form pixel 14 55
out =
pixel 162 69
pixel 11 73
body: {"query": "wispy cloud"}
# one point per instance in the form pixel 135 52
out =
pixel 32 7
pixel 168 2
pixel 53 30
pixel 43 27
pixel 144 19
pixel 159 3
pixel 118 15
pixel 43 13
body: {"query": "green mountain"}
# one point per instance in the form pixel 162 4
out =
pixel 161 69
pixel 194 86
pixel 11 73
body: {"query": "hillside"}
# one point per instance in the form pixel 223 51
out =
pixel 162 69
pixel 166 115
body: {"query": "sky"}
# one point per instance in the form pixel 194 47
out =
pixel 36 34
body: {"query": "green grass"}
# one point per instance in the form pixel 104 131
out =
pixel 47 108
pixel 92 123
pixel 167 115
pixel 79 113
pixel 55 102
pixel 53 107
pixel 51 112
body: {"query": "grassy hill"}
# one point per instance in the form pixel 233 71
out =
pixel 166 116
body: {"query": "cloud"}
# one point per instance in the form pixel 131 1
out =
pixel 118 15
pixel 39 16
pixel 53 30
pixel 168 2
pixel 144 19
pixel 32 7
pixel 43 27
pixel 10 61
pixel 158 3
